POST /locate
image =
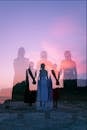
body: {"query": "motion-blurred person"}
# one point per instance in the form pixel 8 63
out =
pixel 68 68
pixel 20 65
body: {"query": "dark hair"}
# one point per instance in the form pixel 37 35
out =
pixel 42 65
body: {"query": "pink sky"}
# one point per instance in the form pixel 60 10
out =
pixel 54 26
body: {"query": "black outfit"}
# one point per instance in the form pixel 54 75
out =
pixel 29 96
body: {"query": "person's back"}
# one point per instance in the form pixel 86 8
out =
pixel 43 74
pixel 42 90
pixel 43 77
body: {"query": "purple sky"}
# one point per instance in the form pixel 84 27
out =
pixel 50 25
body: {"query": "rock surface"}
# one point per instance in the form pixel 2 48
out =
pixel 68 116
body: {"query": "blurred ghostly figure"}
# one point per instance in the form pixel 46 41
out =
pixel 48 67
pixel 20 65
pixel 68 68
pixel 44 59
pixel 30 93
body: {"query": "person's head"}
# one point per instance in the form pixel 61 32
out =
pixel 43 55
pixel 31 64
pixel 42 66
pixel 21 52
pixel 67 55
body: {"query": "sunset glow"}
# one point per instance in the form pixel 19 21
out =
pixel 54 26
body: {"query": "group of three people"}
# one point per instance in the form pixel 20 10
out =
pixel 42 80
pixel 46 77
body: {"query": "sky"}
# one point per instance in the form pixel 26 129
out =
pixel 54 26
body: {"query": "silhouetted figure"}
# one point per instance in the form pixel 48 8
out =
pixel 48 67
pixel 42 90
pixel 20 65
pixel 55 84
pixel 30 91
pixel 68 68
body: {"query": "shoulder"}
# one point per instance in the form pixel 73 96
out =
pixel 63 62
pixel 46 71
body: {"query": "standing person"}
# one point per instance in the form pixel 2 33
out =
pixel 68 68
pixel 20 64
pixel 42 90
pixel 55 83
pixel 44 59
pixel 30 93
pixel 48 67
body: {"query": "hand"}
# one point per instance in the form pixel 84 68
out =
pixel 34 82
pixel 57 82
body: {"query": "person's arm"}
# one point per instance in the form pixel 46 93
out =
pixel 58 75
pixel 33 78
pixel 57 80
pixel 27 80
pixel 54 75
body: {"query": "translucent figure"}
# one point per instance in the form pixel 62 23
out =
pixel 20 65
pixel 68 68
